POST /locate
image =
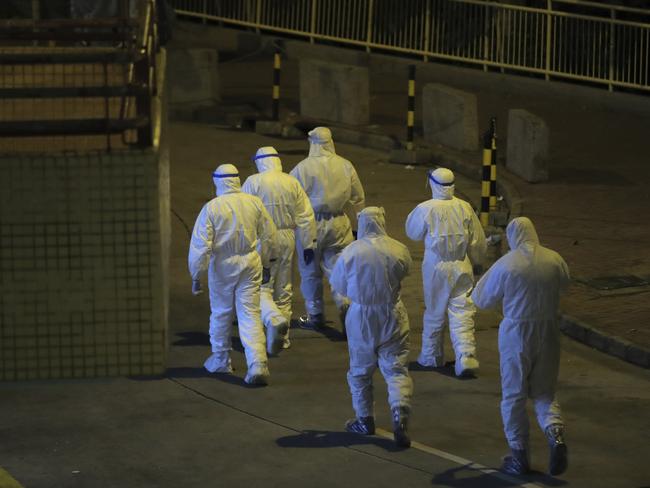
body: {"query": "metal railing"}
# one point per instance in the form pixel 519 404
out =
pixel 584 41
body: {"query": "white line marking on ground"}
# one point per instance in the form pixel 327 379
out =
pixel 7 481
pixel 462 461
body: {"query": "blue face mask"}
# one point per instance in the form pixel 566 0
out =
pixel 226 175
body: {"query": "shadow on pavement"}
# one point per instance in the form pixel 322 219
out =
pixel 446 370
pixel 321 439
pixel 194 338
pixel 329 331
pixel 468 477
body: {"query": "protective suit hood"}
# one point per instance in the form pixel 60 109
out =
pixel 321 143
pixel 267 159
pixel 372 222
pixel 442 185
pixel 226 179
pixel 522 235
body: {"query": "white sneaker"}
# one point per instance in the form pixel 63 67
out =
pixel 466 365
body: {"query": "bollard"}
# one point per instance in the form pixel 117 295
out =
pixel 276 85
pixel 489 180
pixel 410 116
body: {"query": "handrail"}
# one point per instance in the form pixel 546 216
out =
pixel 593 45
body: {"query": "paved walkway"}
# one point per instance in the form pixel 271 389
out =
pixel 192 429
pixel 593 211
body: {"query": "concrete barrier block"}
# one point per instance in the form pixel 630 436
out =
pixel 449 117
pixel 292 132
pixel 193 76
pixel 365 139
pixel 334 92
pixel 269 127
pixel 527 151
pixel 498 219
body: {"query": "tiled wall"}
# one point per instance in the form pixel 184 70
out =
pixel 82 280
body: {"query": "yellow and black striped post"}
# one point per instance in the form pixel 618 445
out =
pixel 410 116
pixel 489 183
pixel 276 85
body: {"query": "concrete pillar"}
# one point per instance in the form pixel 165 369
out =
pixel 193 77
pixel 335 92
pixel 527 153
pixel 449 117
pixel 82 286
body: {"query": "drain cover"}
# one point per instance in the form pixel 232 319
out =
pixel 616 282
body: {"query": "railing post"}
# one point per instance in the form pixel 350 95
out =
pixel 549 19
pixel 204 19
pixel 489 178
pixel 143 100
pixel 371 5
pixel 258 16
pixel 312 24
pixel 612 32
pixel 276 85
pixel 427 30
pixel 410 115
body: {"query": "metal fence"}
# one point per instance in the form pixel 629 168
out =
pixel 569 39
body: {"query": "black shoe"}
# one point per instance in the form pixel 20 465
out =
pixel 400 426
pixel 312 322
pixel 516 463
pixel 361 425
pixel 558 455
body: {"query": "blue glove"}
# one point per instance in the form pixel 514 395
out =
pixel 196 287
pixel 308 256
pixel 266 275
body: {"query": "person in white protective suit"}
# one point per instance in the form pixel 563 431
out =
pixel 370 271
pixel 453 240
pixel 332 185
pixel 528 281
pixel 289 207
pixel 224 243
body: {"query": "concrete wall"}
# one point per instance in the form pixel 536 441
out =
pixel 335 92
pixel 82 287
pixel 193 76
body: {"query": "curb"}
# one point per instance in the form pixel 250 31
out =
pixel 609 344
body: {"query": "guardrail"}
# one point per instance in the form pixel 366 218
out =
pixel 565 39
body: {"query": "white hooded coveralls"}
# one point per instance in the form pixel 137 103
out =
pixel 453 240
pixel 370 271
pixel 528 281
pixel 224 242
pixel 331 183
pixel 289 207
